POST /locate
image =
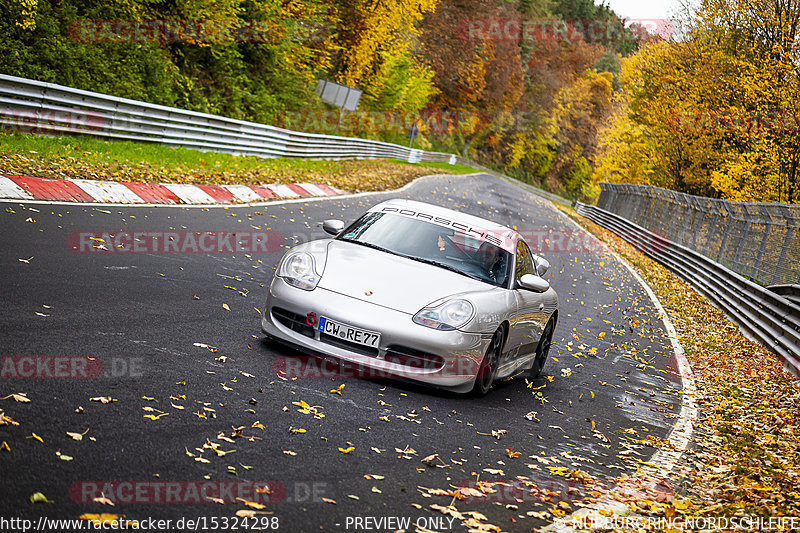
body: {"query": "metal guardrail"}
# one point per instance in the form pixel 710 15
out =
pixel 769 317
pixel 760 241
pixel 39 107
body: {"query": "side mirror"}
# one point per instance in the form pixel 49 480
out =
pixel 542 264
pixel 334 227
pixel 534 283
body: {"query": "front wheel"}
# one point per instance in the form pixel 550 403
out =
pixel 488 369
pixel 542 350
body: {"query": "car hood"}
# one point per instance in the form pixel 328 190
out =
pixel 389 280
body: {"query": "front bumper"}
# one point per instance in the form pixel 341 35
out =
pixel 446 359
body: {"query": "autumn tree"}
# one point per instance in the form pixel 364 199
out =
pixel 713 114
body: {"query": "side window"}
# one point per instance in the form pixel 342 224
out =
pixel 524 264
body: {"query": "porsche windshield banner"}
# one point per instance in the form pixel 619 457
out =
pixel 464 232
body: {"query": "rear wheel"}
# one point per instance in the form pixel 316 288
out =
pixel 542 350
pixel 488 369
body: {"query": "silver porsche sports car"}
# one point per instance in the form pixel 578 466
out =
pixel 416 291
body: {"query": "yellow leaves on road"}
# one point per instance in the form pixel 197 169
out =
pixel 101 518
pixel 20 397
pixel 252 505
pixel 103 399
pixel 307 409
pixel 247 513
pixel 6 420
pixel 152 410
pixel 432 459
pixel 512 454
pixel 38 497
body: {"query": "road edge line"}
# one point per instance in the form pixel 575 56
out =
pixel 680 433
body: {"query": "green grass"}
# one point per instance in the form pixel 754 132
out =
pixel 458 168
pixel 90 157
pixel 99 150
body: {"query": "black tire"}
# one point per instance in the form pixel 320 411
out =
pixel 484 378
pixel 542 350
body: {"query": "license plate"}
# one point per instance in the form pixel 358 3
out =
pixel 348 333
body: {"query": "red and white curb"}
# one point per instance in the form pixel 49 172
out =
pixel 80 190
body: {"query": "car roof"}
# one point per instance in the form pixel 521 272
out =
pixel 412 207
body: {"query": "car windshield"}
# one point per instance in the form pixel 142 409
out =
pixel 432 243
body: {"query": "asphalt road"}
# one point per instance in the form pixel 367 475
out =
pixel 174 340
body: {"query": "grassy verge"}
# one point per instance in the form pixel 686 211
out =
pixel 745 457
pixel 88 157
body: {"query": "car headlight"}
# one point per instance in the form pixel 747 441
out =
pixel 298 270
pixel 450 315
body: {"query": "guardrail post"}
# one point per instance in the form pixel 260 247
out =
pixel 741 245
pixel 727 233
pixel 701 218
pixel 761 248
pixel 709 234
pixel 786 241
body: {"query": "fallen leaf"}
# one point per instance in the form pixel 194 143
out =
pixel 252 505
pixel 38 497
pixel 18 397
pixel 103 399
pixel 77 436
pixel 102 500
pixel 102 518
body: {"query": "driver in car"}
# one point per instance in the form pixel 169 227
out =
pixel 490 260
